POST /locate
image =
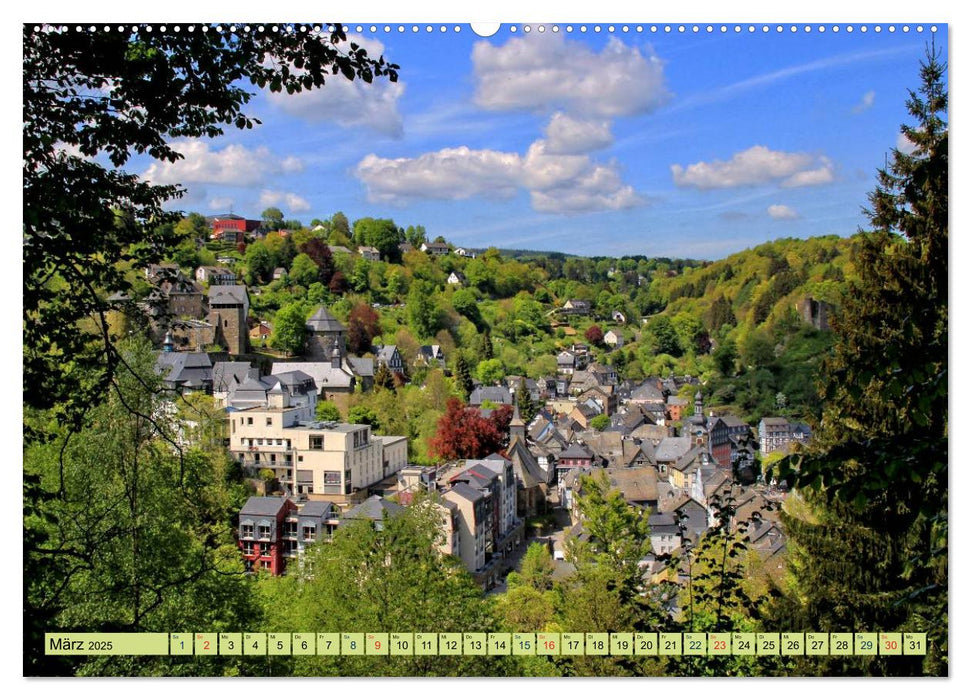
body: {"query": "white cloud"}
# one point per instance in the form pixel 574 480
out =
pixel 755 166
pixel 905 145
pixel 568 136
pixel 865 103
pixel 451 173
pixel 598 189
pixel 782 211
pixel 291 164
pixel 288 201
pixel 350 103
pixel 232 165
pixel 221 203
pixel 815 176
pixel 545 71
pixel 556 183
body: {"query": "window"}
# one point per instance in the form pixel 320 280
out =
pixel 290 529
pixel 246 530
pixel 248 548
pixel 332 482
pixel 316 442
pixel 264 532
pixel 289 548
pixel 309 532
pixel 249 420
pixel 269 421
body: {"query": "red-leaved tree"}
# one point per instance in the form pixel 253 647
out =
pixel 463 433
pixel 594 335
pixel 362 325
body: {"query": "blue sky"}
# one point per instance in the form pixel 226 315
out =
pixel 661 144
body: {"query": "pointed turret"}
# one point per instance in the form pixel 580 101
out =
pixel 517 428
pixel 335 355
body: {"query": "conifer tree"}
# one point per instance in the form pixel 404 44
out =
pixel 527 407
pixel 464 376
pixel 383 378
pixel 871 554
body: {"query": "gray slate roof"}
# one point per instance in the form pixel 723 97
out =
pixel 316 509
pixel 361 366
pixel 226 373
pixel 325 376
pixel 324 322
pixel 576 451
pixel 263 506
pixel 228 294
pixel 374 508
pixel 460 488
pixel 496 394
pixel 671 449
pixel 190 369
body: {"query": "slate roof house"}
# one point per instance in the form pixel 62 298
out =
pixel 432 355
pixel 374 509
pixel 389 356
pixel 275 530
pixel 185 371
pixel 496 394
pixel 435 248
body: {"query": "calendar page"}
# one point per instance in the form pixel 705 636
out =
pixel 509 349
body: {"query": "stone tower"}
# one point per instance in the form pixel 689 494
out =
pixel 228 309
pixel 324 331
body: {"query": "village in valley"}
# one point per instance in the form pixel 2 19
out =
pixel 659 441
pixel 358 351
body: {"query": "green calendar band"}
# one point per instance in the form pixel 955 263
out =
pixel 486 644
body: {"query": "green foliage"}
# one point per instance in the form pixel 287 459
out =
pixel 527 407
pixel 464 376
pixel 290 329
pixel 536 568
pixel 757 349
pixel 304 270
pixel 689 331
pixel 423 312
pixel 272 219
pixel 362 415
pixel 382 234
pixel 390 577
pixel 619 534
pixel 600 423
pixel 663 336
pixel 875 479
pixel 125 533
pixel 259 263
pixel 490 372
pixel 327 410
pixel 383 379
pixel 725 356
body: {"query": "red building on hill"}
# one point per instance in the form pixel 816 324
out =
pixel 232 227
